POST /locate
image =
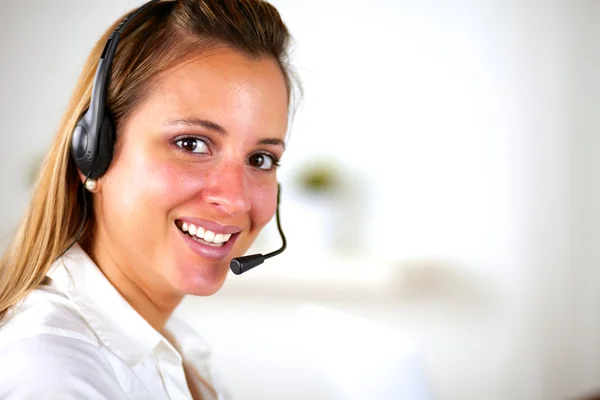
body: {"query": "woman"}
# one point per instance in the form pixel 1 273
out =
pixel 199 95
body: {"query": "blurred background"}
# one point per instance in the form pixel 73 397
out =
pixel 440 195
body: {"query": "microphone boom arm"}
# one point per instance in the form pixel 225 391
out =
pixel 239 265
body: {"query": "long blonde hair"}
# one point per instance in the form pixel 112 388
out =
pixel 163 35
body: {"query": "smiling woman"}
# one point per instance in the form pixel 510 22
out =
pixel 215 174
pixel 174 133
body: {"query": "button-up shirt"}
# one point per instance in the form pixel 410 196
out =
pixel 76 337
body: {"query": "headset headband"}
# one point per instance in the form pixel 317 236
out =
pixel 94 135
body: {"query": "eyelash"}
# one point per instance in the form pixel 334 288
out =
pixel 275 160
pixel 178 139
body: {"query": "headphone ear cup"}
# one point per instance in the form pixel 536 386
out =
pixel 105 148
pixel 80 151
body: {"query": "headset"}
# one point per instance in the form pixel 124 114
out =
pixel 94 136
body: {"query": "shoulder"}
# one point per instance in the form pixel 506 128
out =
pixel 45 311
pixel 56 367
pixel 48 351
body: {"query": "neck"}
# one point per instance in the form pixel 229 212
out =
pixel 153 303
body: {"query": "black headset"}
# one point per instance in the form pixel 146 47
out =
pixel 94 136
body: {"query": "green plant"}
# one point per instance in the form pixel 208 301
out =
pixel 319 177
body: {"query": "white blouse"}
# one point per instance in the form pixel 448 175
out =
pixel 76 337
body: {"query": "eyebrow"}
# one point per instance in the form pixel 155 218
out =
pixel 213 126
pixel 272 141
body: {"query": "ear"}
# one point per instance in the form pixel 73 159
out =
pixel 81 176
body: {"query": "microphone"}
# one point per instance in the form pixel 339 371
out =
pixel 239 265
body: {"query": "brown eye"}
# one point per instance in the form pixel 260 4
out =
pixel 193 145
pixel 262 161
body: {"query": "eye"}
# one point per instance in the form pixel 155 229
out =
pixel 263 161
pixel 192 145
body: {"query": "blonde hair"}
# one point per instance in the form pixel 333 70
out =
pixel 162 36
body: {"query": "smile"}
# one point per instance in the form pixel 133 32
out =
pixel 203 235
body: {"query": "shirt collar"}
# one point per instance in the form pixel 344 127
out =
pixel 191 344
pixel 112 318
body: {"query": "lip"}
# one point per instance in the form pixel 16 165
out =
pixel 216 253
pixel 211 226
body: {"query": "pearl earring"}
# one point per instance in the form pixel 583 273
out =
pixel 91 184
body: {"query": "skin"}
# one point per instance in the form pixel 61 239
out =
pixel 155 180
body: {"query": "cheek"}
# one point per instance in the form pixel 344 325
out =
pixel 173 183
pixel 264 204
pixel 145 185
pixel 169 180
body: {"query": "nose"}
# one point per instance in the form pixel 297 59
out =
pixel 229 190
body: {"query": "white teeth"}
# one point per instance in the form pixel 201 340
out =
pixel 209 236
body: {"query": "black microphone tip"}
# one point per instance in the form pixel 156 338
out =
pixel 239 265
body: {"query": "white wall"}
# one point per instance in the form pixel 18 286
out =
pixel 470 128
pixel 585 170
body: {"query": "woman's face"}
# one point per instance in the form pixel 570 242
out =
pixel 194 178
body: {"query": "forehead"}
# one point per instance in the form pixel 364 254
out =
pixel 224 85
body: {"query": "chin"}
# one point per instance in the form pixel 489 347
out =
pixel 201 281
